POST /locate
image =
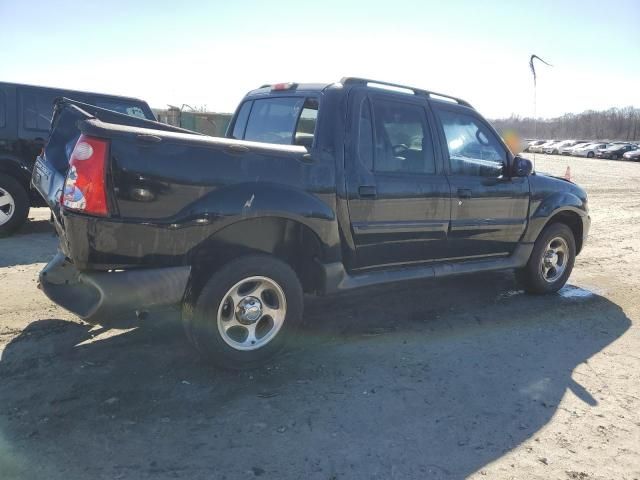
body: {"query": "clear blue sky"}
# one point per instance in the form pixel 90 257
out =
pixel 204 53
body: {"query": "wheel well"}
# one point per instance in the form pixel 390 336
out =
pixel 288 240
pixel 574 222
pixel 11 169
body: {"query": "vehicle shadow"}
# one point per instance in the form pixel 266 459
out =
pixel 421 380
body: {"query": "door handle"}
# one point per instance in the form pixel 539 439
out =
pixel 464 193
pixel 367 191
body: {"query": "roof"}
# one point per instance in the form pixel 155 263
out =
pixel 300 87
pixel 346 81
pixel 60 89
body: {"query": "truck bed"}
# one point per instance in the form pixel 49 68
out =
pixel 169 189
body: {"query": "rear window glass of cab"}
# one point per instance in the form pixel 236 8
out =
pixel 280 120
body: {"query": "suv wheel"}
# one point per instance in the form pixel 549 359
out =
pixel 14 205
pixel 246 312
pixel 551 261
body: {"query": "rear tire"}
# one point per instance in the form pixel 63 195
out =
pixel 246 313
pixel 14 205
pixel 551 261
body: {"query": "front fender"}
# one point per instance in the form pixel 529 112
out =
pixel 547 208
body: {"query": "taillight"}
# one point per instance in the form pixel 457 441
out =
pixel 84 187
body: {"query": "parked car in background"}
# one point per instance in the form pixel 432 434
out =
pixel 633 155
pixel 25 117
pixel 554 149
pixel 616 150
pixel 534 143
pixel 541 147
pixel 307 193
pixel 568 149
pixel 589 150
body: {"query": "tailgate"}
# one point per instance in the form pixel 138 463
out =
pixel 49 183
pixel 51 166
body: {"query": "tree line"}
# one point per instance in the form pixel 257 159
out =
pixel 612 124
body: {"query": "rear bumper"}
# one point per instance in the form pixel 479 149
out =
pixel 103 297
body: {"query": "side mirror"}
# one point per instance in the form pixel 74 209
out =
pixel 521 167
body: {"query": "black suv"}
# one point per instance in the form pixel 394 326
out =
pixel 25 117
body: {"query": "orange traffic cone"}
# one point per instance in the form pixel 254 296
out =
pixel 567 174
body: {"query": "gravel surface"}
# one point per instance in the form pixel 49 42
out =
pixel 458 378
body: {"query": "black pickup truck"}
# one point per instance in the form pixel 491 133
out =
pixel 316 189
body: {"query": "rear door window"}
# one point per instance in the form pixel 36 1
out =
pixel 365 135
pixel 402 139
pixel 37 108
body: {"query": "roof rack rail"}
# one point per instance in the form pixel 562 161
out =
pixel 416 91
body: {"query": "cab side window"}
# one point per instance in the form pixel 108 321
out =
pixel 306 126
pixel 473 148
pixel 402 139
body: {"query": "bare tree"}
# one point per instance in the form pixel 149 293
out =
pixel 612 124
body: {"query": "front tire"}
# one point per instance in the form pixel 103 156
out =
pixel 590 155
pixel 14 205
pixel 551 260
pixel 246 313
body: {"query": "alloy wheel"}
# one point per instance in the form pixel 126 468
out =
pixel 555 259
pixel 7 206
pixel 251 313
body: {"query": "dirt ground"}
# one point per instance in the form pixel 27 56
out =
pixel 459 378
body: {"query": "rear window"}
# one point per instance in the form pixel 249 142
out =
pixel 241 121
pixel 128 108
pixel 282 120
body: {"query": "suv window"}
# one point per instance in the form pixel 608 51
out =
pixel 273 120
pixel 402 140
pixel 37 109
pixel 120 106
pixel 3 109
pixel 473 148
